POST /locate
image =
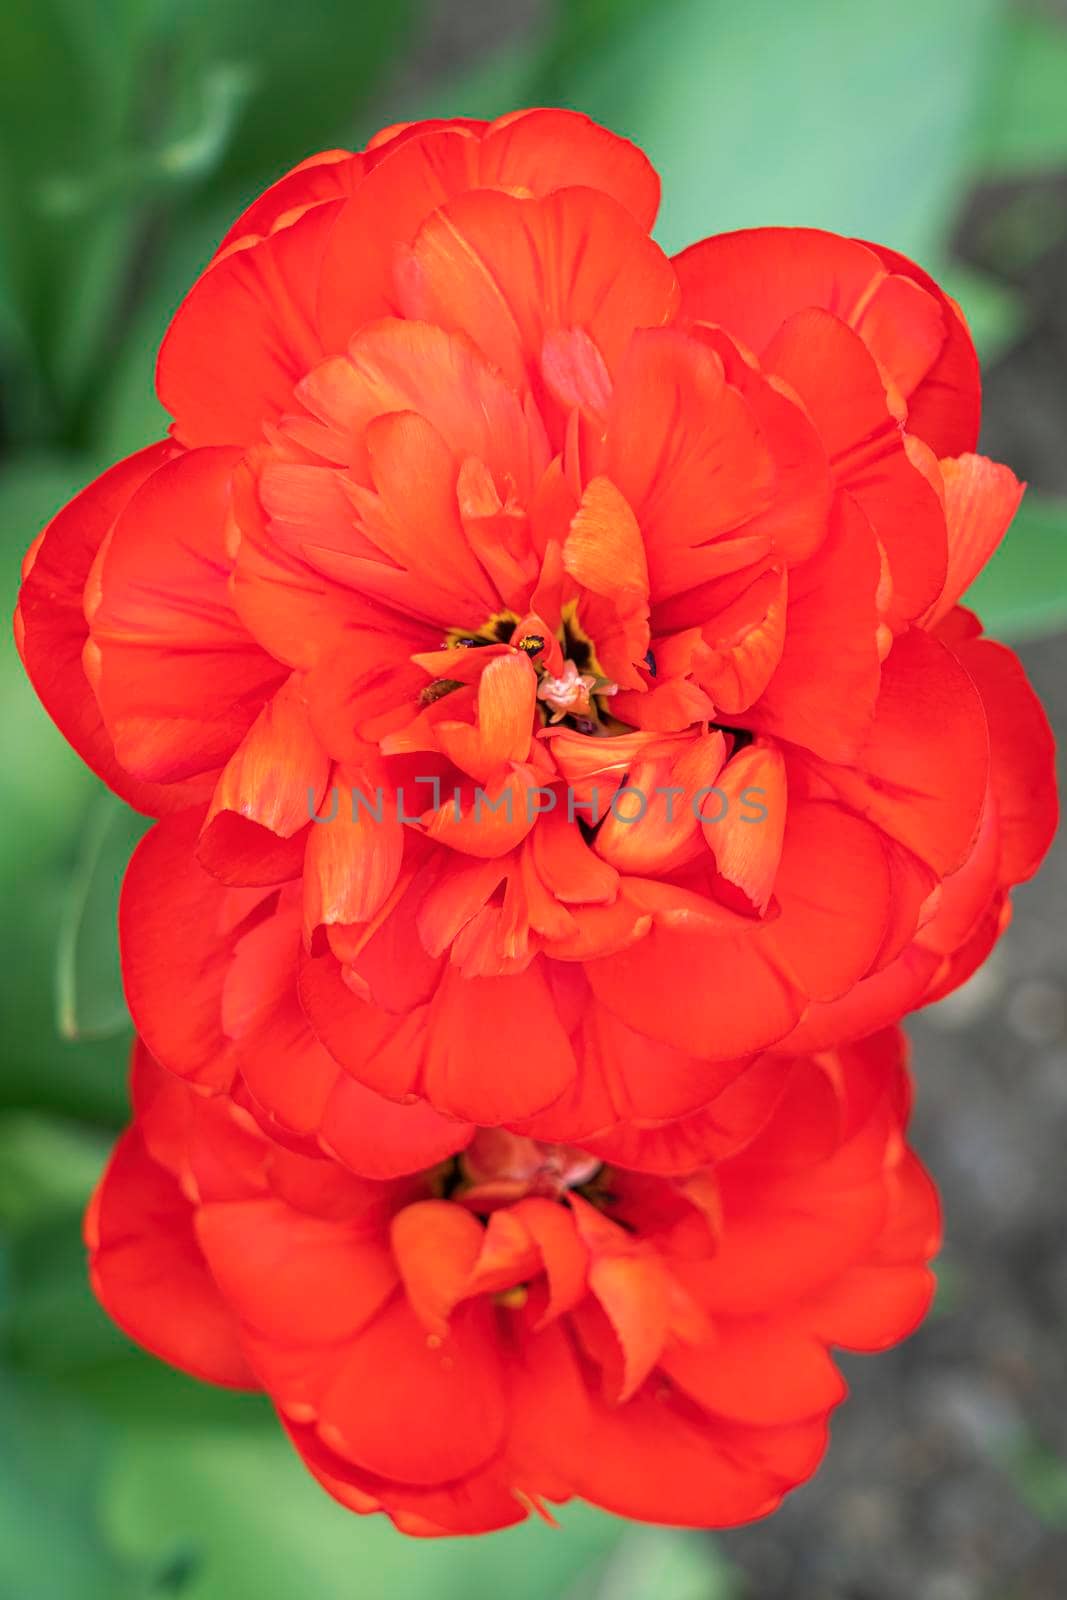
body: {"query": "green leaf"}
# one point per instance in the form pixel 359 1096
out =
pixel 54 1462
pixel 127 414
pixel 254 1522
pixel 129 1387
pixel 44 792
pixel 1023 590
pixel 66 87
pixel 53 1323
pixel 47 1167
pixel 661 1561
pixel 1040 1476
pixel 90 1003
pixel 296 74
pixel 43 799
pixel 997 315
pixel 1024 128
pixel 763 114
pixel 113 113
pixel 86 1079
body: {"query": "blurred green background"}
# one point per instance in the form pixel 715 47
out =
pixel 131 132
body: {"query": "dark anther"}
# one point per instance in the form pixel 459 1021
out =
pixel 650 662
pixel 438 689
pixel 532 645
pixel 740 736
pixel 471 641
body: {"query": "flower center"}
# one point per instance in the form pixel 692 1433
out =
pixel 499 1168
pixel 575 691
pixel 574 694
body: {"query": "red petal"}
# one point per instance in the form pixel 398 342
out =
pixel 506 271
pixel 245 334
pixel 824 689
pixel 51 629
pixel 747 845
pixel 178 928
pixel 292 1276
pixel 497 1051
pixel 944 409
pixel 276 778
pixel 686 452
pixel 838 381
pixel 653 1459
pixel 377 1138
pixel 453 1385
pixel 354 854
pixel 327 175
pixel 922 772
pixel 148 1272
pixel 760 1372
pixel 436 1245
pixel 1023 757
pixel 753 280
pixel 557 149
pixel 179 679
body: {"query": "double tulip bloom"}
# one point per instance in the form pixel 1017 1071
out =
pixel 525 1323
pixel 547 663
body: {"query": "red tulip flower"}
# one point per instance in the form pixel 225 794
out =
pixel 522 1324
pixel 601 608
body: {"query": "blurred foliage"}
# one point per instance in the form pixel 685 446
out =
pixel 1021 592
pixel 89 998
pixel 1023 127
pixel 1040 1477
pixel 131 132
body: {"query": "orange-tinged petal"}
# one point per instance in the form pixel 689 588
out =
pixel 603 550
pixel 436 1245
pixel 747 841
pixel 487 820
pixel 632 1286
pixel 685 452
pixel 507 695
pixel 551 149
pixel 563 1253
pixel 570 870
pixel 507 270
pixel 277 776
pixel 353 857
pixel 981 498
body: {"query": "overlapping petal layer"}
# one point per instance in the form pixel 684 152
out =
pixel 566 637
pixel 546 662
pixel 522 1323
